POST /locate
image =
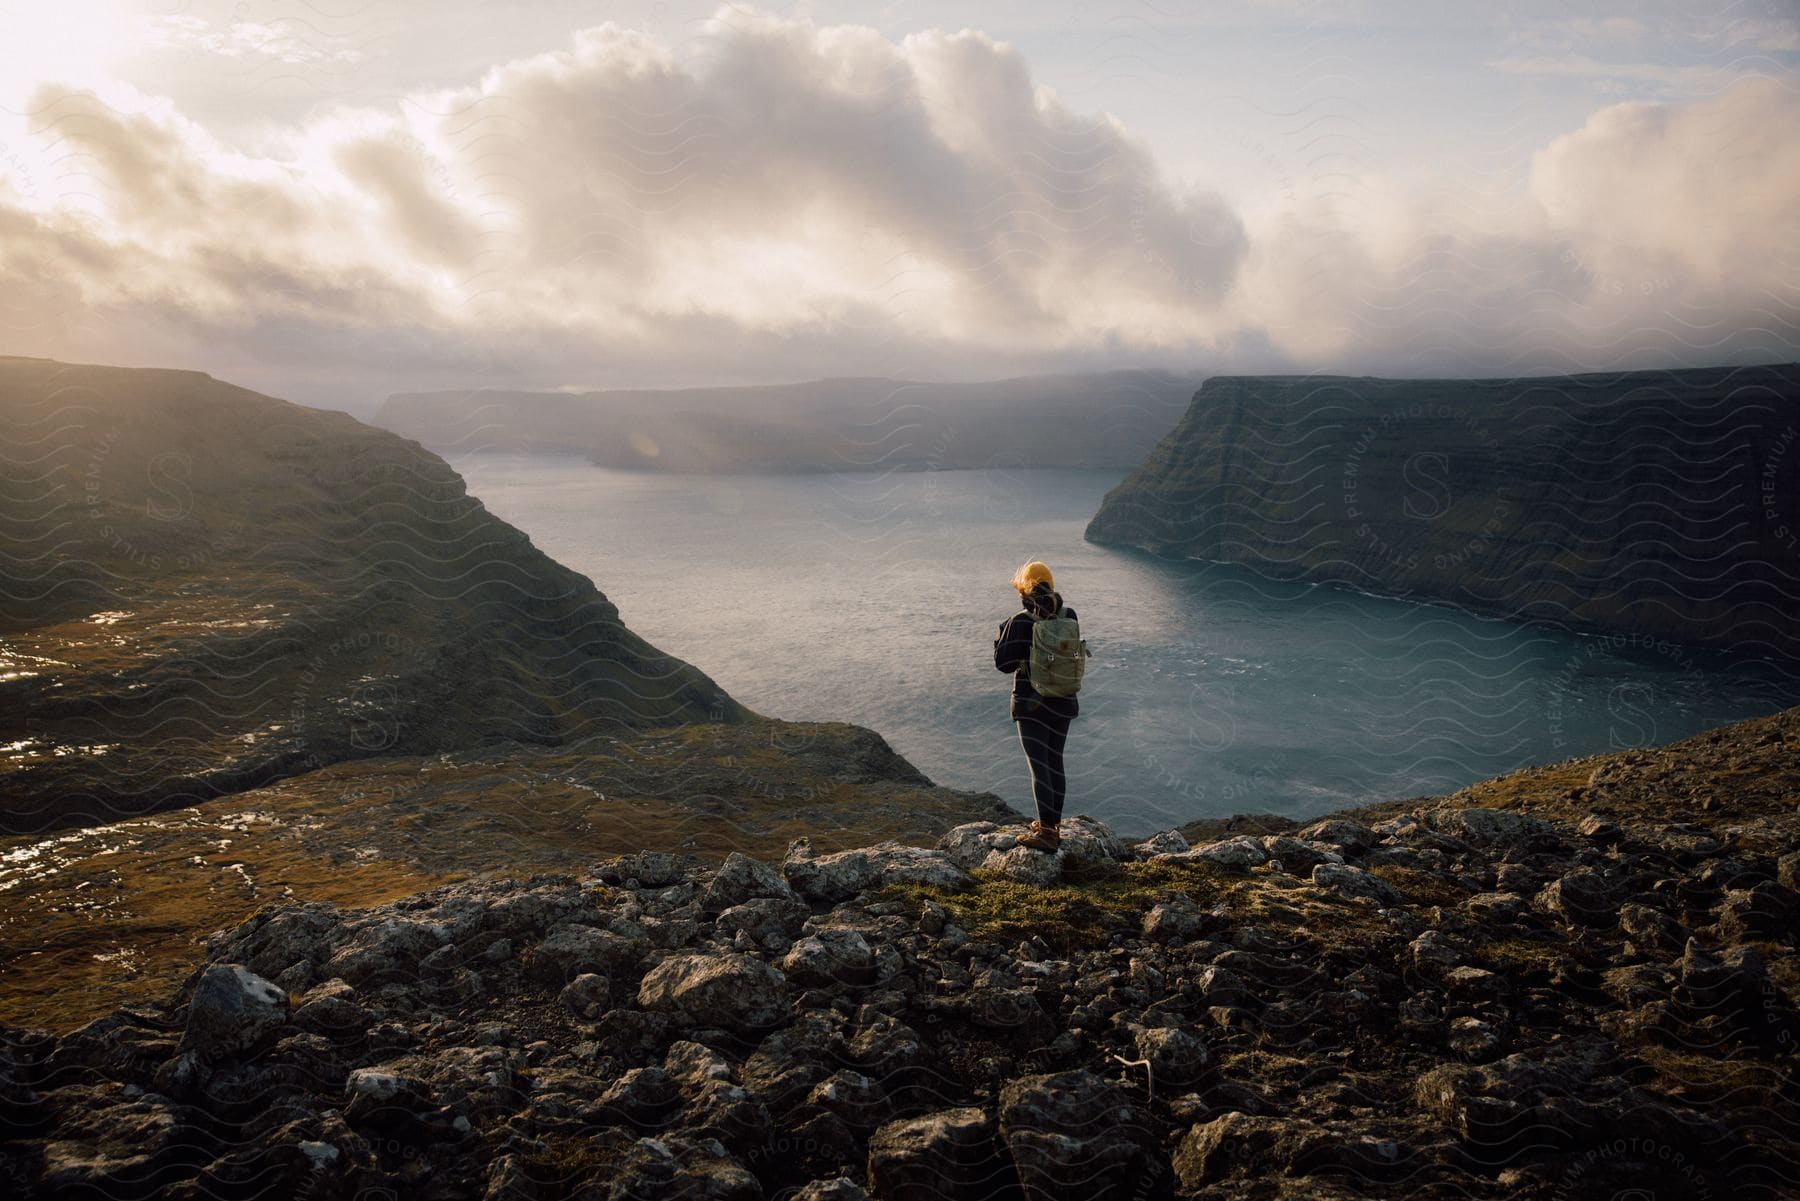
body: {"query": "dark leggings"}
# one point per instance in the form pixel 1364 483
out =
pixel 1043 741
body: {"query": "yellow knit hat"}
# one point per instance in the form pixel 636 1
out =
pixel 1031 575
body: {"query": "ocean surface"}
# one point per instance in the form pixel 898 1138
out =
pixel 874 599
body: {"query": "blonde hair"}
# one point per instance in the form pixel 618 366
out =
pixel 1031 575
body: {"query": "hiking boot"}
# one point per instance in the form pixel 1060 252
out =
pixel 1041 838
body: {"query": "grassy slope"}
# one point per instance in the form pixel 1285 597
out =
pixel 203 589
pixel 97 917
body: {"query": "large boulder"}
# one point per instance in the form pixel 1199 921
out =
pixel 739 879
pixel 970 844
pixel 1582 898
pixel 892 1052
pixel 380 1097
pixel 1163 842
pixel 1027 866
pixel 987 846
pixel 839 958
pixel 1244 851
pixel 725 1111
pixel 840 876
pixel 1177 1056
pixel 119 1150
pixel 276 938
pixel 790 1061
pixel 1088 843
pixel 232 1009
pixel 1074 1136
pixel 1765 910
pixel 1731 989
pixel 641 1097
pixel 647 869
pixel 572 950
pixel 859 1101
pixel 1349 881
pixel 480 1081
pixel 1652 929
pixel 586 996
pixel 1497 1109
pixel 1492 828
pixel 692 1064
pixel 385 948
pixel 1176 918
pixel 729 990
pixel 1348 836
pixel 677 1165
pixel 1259 1147
pixel 331 1009
pixel 935 1157
pixel 1297 855
pixel 1013 1012
pixel 769 923
pixel 524 916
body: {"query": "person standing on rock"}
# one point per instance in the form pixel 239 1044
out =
pixel 1042 721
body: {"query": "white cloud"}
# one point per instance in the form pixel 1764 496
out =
pixel 289 41
pixel 1708 193
pixel 826 200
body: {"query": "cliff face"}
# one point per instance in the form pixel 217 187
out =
pixel 203 589
pixel 1659 504
pixel 1099 420
pixel 1555 993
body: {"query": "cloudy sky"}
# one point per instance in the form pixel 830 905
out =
pixel 333 199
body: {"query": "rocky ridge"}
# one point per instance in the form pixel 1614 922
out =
pixel 1427 998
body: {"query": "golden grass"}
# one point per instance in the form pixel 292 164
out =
pixel 1705 1080
pixel 1077 914
pixel 63 969
pixel 1418 887
pixel 1521 956
pixel 99 917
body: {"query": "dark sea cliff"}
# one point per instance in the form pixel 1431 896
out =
pixel 1658 505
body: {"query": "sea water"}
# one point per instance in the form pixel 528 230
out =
pixel 874 598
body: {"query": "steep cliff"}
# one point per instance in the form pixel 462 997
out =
pixel 203 589
pixel 1097 420
pixel 1662 505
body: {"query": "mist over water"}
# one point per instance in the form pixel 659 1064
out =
pixel 875 598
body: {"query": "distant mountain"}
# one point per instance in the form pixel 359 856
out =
pixel 1110 419
pixel 203 589
pixel 1664 505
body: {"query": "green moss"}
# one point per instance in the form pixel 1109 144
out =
pixel 1521 955
pixel 568 1162
pixel 1088 909
pixel 1420 887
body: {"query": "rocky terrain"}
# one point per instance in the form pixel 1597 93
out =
pixel 105 914
pixel 1575 982
pixel 1663 506
pixel 252 650
pixel 1109 419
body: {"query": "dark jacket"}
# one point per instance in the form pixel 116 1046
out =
pixel 1012 652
